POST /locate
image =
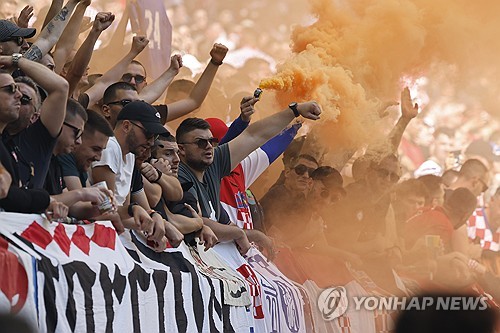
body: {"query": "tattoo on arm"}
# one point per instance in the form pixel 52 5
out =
pixel 34 53
pixel 50 27
pixel 62 14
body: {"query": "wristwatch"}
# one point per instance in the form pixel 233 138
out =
pixel 293 107
pixel 15 58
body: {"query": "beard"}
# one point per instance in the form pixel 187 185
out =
pixel 133 147
pixel 197 164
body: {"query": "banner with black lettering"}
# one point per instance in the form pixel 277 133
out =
pixel 84 278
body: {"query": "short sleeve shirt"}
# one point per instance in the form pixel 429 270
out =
pixel 122 168
pixel 70 169
pixel 208 192
pixel 35 151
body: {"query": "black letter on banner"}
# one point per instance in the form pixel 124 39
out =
pixel 137 276
pixel 177 264
pixel 160 281
pixel 118 286
pixel 86 277
pixel 49 291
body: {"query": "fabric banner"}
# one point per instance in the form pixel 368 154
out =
pixel 84 278
pixel 150 18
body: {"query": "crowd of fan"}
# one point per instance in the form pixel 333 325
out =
pixel 79 151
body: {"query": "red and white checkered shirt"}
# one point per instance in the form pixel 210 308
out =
pixel 478 227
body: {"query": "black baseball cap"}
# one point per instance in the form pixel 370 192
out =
pixel 144 113
pixel 8 29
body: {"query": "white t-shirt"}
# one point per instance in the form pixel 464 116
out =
pixel 122 168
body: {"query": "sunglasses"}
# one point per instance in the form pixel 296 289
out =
pixel 26 100
pixel 393 177
pixel 77 131
pixel 301 169
pixel 128 77
pixel 122 102
pixel 148 135
pixel 19 40
pixel 202 143
pixel 10 88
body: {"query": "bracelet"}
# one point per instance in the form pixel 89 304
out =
pixel 215 63
pixel 152 211
pixel 130 210
pixel 159 176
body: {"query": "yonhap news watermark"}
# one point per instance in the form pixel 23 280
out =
pixel 333 302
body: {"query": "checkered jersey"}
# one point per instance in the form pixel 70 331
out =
pixel 477 227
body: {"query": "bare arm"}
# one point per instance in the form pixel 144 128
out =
pixel 170 185
pixel 153 91
pixel 152 191
pixel 72 183
pixel 53 109
pixel 69 36
pixel 51 33
pixel 55 7
pixel 183 223
pixel 114 74
pixel 408 112
pixel 260 132
pixel 82 57
pixel 201 88
pixel 104 173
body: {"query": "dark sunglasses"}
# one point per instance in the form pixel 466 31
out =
pixel 202 143
pixel 128 77
pixel 26 100
pixel 10 88
pixel 19 40
pixel 78 131
pixel 301 169
pixel 383 173
pixel 122 102
pixel 148 135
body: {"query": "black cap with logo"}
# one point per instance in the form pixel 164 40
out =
pixel 144 113
pixel 9 30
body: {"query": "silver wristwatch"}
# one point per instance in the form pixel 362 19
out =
pixel 15 59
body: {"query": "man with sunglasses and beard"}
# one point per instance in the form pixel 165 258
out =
pixel 32 144
pixel 289 198
pixel 204 166
pixel 137 126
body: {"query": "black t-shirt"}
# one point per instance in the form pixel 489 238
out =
pixel 137 185
pixel 33 148
pixel 69 168
pixel 163 110
pixel 54 183
pixel 18 199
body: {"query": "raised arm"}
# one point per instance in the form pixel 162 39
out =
pixel 260 132
pixel 53 108
pixel 55 7
pixel 69 36
pixel 84 54
pixel 408 112
pixel 115 73
pixel 153 91
pixel 51 33
pixel 201 88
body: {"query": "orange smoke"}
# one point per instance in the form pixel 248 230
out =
pixel 353 57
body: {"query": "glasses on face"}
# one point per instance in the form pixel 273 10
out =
pixel 202 143
pixel 127 77
pixel 301 169
pixel 19 40
pixel 122 102
pixel 383 173
pixel 26 100
pixel 10 88
pixel 148 135
pixel 77 131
